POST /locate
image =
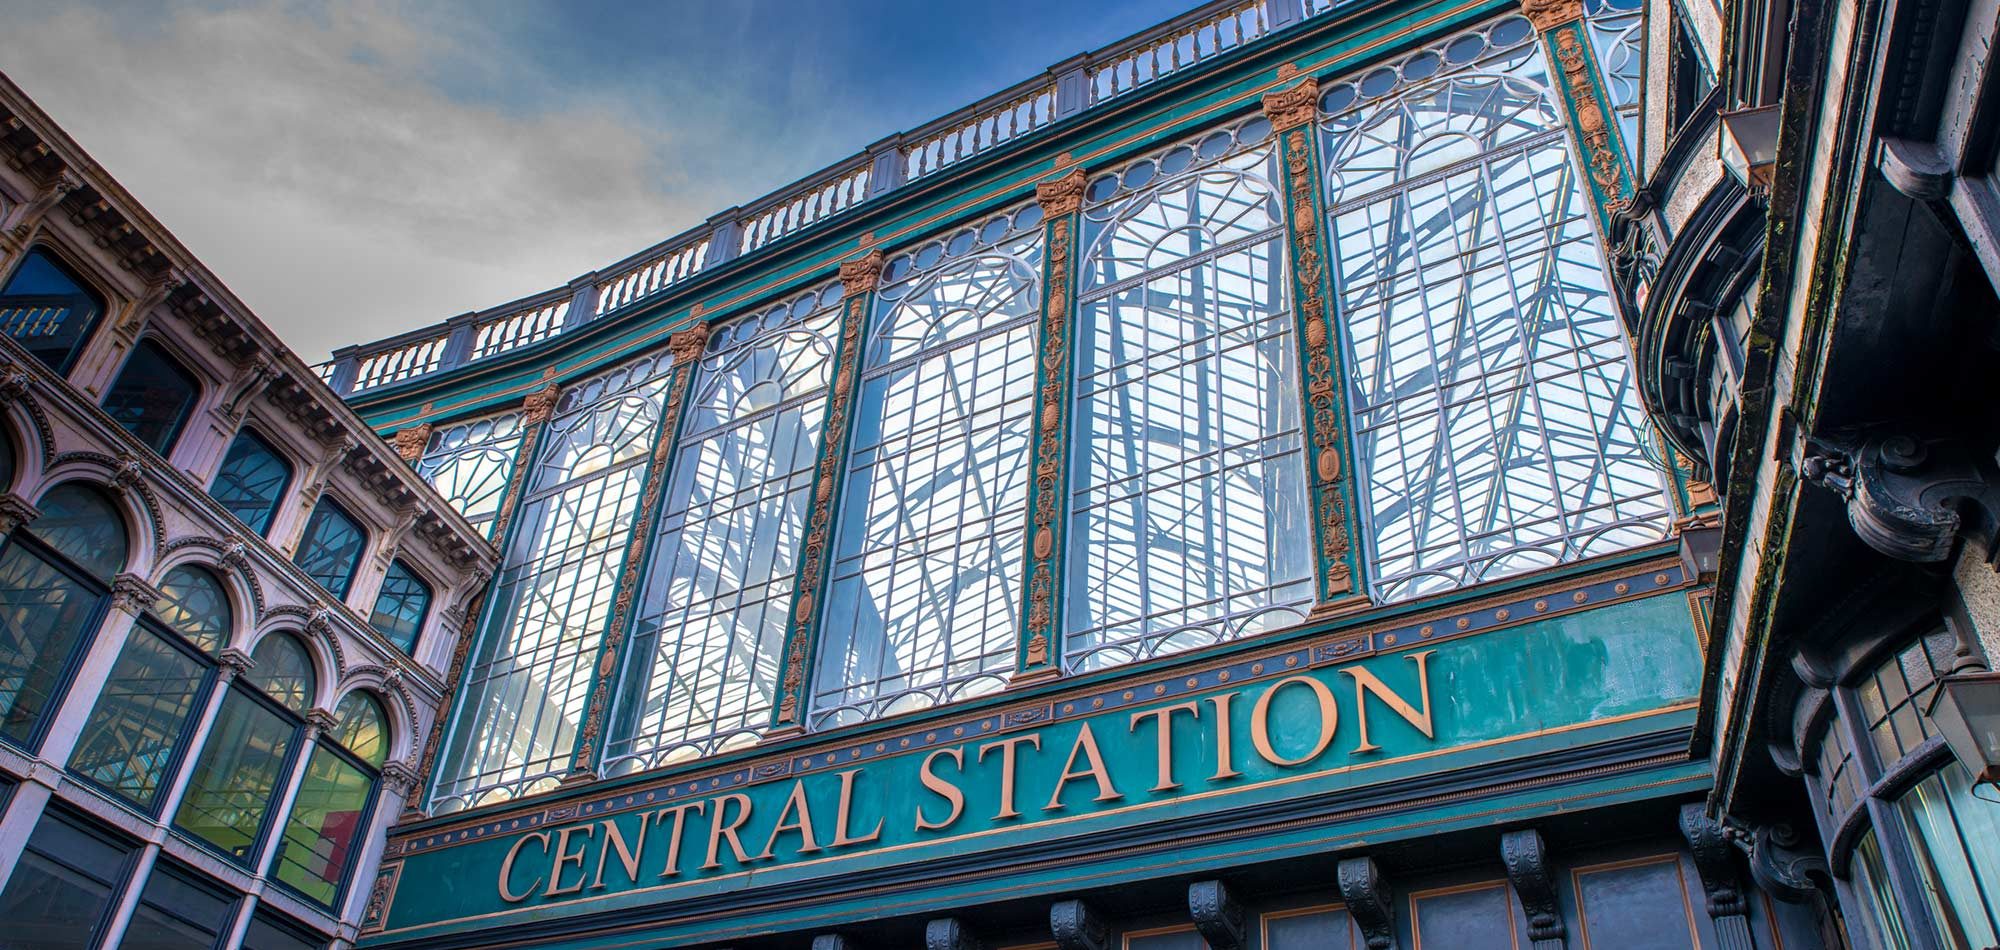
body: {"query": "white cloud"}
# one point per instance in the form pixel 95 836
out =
pixel 312 160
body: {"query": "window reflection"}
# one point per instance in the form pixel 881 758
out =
pixel 251 481
pixel 48 309
pixel 152 396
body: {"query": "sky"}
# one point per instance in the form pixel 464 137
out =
pixel 354 170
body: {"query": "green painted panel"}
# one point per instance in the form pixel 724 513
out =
pixel 1525 690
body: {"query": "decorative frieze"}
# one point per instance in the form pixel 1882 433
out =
pixel 410 442
pixel 1061 200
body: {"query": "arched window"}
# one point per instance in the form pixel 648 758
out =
pixel 1190 519
pixel 48 309
pixel 152 396
pixel 140 722
pixel 6 463
pixel 401 606
pixel 1496 423
pixel 334 801
pixel 703 665
pixel 925 578
pixel 241 772
pixel 470 464
pixel 526 686
pixel 54 583
pixel 330 550
pixel 251 481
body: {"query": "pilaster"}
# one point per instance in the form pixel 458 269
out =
pixel 1324 399
pixel 788 713
pixel 1039 655
pixel 687 347
pixel 1593 129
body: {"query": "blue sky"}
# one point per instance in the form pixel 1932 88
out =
pixel 353 170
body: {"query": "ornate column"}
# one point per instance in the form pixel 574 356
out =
pixel 1039 656
pixel 536 410
pixel 15 512
pixel 1593 129
pixel 1323 391
pixel 788 712
pixel 687 347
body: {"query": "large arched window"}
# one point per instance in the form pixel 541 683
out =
pixel 1190 521
pixel 48 309
pixel 139 726
pixel 332 807
pixel 6 462
pixel 926 563
pixel 1496 423
pixel 526 686
pixel 55 579
pixel 703 665
pixel 240 774
pixel 401 606
pixel 152 396
pixel 330 550
pixel 252 481
pixel 470 464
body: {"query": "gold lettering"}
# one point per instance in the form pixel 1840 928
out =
pixel 1225 754
pixel 1366 683
pixel 724 828
pixel 799 820
pixel 613 838
pixel 841 838
pixel 679 812
pixel 507 868
pixel 1163 720
pixel 564 856
pixel 1086 743
pixel 1006 747
pixel 942 789
pixel 1260 721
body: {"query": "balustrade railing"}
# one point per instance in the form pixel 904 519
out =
pixel 1070 88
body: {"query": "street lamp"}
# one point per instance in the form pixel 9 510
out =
pixel 1749 146
pixel 1966 709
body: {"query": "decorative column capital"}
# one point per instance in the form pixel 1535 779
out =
pixel 410 442
pixel 399 778
pixel 1076 926
pixel 15 512
pixel 688 345
pixel 235 663
pixel 860 276
pixel 131 593
pixel 1368 901
pixel 320 721
pixel 1548 14
pixel 1217 914
pixel 1063 195
pixel 540 405
pixel 1290 108
pixel 13 383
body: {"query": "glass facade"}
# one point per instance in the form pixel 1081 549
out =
pixel 251 481
pixel 142 715
pixel 152 396
pixel 48 309
pixel 54 585
pixel 471 462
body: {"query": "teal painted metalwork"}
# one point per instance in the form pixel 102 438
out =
pixel 1592 126
pixel 1048 503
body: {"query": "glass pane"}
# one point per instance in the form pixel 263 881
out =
pixel 44 614
pixel 152 396
pixel 360 728
pixel 48 310
pixel 1191 523
pixel 526 685
pixel 140 717
pixel 324 827
pixel 284 671
pixel 1311 930
pixel 251 481
pixel 1871 880
pixel 1957 835
pixel 269 933
pixel 1496 421
pixel 925 580
pixel 1480 916
pixel 237 777
pixel 84 526
pixel 6 463
pixel 60 892
pixel 1641 906
pixel 401 606
pixel 1179 940
pixel 331 548
pixel 175 913
pixel 193 603
pixel 470 463
pixel 711 619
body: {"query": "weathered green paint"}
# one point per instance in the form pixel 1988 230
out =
pixel 1510 694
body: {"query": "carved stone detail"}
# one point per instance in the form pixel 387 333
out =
pixel 15 512
pixel 1593 123
pixel 1368 902
pixel 1062 196
pixel 52 194
pixel 410 442
pixel 1216 913
pixel 1290 108
pixel 540 405
pixel 1076 926
pixel 949 933
pixel 131 593
pixel 1527 863
pixel 1777 864
pixel 1904 494
pixel 1715 862
pixel 860 277
pixel 1546 14
pixel 688 345
pixel 833 942
pixel 399 778
pixel 234 662
pixel 1046 522
pixel 320 721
